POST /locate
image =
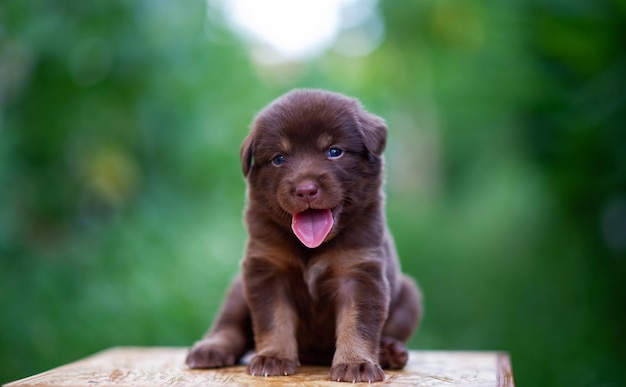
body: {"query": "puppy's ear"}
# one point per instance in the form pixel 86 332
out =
pixel 374 132
pixel 246 154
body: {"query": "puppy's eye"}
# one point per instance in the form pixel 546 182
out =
pixel 278 160
pixel 334 153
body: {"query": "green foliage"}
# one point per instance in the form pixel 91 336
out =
pixel 121 190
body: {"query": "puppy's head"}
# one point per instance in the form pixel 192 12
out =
pixel 313 160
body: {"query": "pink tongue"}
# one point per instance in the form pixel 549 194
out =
pixel 312 226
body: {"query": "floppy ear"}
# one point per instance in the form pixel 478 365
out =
pixel 374 132
pixel 246 154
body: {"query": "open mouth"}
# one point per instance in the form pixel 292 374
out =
pixel 312 226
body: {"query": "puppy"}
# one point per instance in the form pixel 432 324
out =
pixel 320 281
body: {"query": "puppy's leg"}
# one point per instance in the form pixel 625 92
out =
pixel 273 318
pixel 362 302
pixel 404 316
pixel 229 338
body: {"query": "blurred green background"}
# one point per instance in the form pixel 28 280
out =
pixel 121 193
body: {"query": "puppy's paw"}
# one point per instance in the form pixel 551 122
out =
pixel 271 366
pixel 210 353
pixel 393 354
pixel 357 372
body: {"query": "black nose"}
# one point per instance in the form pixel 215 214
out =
pixel 307 191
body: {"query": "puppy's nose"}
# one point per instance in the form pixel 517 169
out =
pixel 307 191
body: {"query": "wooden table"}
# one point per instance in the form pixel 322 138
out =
pixel 157 366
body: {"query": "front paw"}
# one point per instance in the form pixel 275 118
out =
pixel 210 354
pixel 271 366
pixel 357 372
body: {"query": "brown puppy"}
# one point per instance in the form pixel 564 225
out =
pixel 320 279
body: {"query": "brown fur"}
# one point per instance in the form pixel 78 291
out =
pixel 343 303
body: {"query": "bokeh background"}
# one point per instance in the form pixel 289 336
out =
pixel 121 191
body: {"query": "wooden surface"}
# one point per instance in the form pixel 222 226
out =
pixel 154 366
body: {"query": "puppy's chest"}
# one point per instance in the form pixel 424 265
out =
pixel 311 285
pixel 312 296
pixel 316 277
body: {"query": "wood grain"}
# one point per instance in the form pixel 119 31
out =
pixel 157 366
